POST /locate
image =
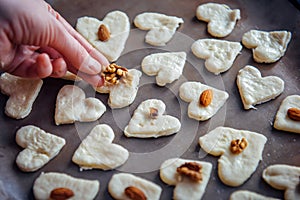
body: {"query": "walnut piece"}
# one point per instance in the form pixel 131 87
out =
pixel 206 97
pixel 61 194
pixel 153 113
pixel 191 170
pixel 237 146
pixel 134 193
pixel 113 73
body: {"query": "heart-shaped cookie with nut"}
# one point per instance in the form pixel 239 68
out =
pixel 108 36
pixel 237 148
pixel 98 151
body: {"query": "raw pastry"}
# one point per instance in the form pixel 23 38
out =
pixel 221 19
pixel 219 55
pixel 123 93
pixel 185 187
pixel 255 89
pixel 123 181
pixel 167 67
pixel 244 194
pixel 81 189
pixel 71 106
pixel 22 93
pixel 191 92
pixel 71 77
pixel 39 147
pixel 149 120
pixel 267 47
pixel 161 27
pixel 117 23
pixel 98 151
pixel 284 177
pixel 282 120
pixel 240 152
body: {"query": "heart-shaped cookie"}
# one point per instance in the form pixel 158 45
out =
pixel 240 152
pixel 219 55
pixel 39 147
pixel 71 106
pixel 148 121
pixel 221 19
pixel 98 151
pixel 167 67
pixel 161 27
pixel 192 91
pixel 255 89
pixel 53 185
pixel 185 186
pixel 282 120
pixel 267 47
pixel 117 23
pixel 284 177
pixel 245 194
pixel 22 93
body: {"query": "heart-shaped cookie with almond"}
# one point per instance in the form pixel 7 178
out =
pixel 108 36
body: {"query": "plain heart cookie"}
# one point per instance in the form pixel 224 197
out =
pixel 39 147
pixel 240 152
pixel 149 120
pixel 161 27
pixel 53 185
pixel 219 55
pixel 192 92
pixel 117 23
pixel 283 120
pixel 185 186
pixel 220 18
pixel 245 194
pixel 98 151
pixel 267 47
pixel 127 186
pixel 284 177
pixel 22 93
pixel 255 89
pixel 167 67
pixel 72 105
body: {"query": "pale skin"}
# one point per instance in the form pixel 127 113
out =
pixel 36 42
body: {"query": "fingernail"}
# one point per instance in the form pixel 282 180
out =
pixel 93 66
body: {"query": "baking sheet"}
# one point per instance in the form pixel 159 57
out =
pixel 147 154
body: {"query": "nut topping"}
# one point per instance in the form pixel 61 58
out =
pixel 61 194
pixel 191 170
pixel 103 33
pixel 206 97
pixel 113 73
pixel 294 114
pixel 237 146
pixel 135 193
pixel 153 113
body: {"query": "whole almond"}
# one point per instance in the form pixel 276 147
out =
pixel 294 114
pixel 206 97
pixel 61 194
pixel 134 193
pixel 103 33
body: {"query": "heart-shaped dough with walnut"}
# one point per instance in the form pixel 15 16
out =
pixel 71 106
pixel 98 151
pixel 118 26
pixel 240 152
pixel 255 89
pixel 40 147
pixel 148 121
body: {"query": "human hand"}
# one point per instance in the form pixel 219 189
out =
pixel 36 41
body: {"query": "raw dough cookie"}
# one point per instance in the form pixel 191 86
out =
pixel 161 27
pixel 267 47
pixel 118 25
pixel 219 55
pixel 167 67
pixel 98 151
pixel 119 182
pixel 22 93
pixel 71 77
pixel 123 93
pixel 39 147
pixel 191 92
pixel 236 163
pixel 185 188
pixel 71 106
pixel 81 188
pixel 149 120
pixel 255 89
pixel 284 177
pixel 221 19
pixel 244 194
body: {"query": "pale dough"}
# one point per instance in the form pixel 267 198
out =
pixel 248 195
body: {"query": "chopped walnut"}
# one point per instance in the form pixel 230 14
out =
pixel 153 113
pixel 113 73
pixel 237 146
pixel 191 170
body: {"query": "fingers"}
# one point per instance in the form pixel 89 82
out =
pixel 94 80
